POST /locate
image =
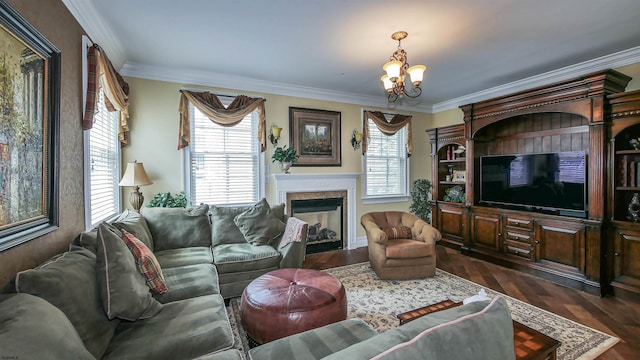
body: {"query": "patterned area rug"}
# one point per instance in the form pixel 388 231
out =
pixel 379 301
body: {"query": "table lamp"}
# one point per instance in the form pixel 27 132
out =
pixel 135 176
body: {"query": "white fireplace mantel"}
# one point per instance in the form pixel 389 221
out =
pixel 292 183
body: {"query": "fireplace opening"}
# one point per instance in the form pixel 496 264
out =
pixel 326 222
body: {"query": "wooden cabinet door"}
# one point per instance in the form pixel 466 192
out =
pixel 486 231
pixel 561 245
pixel 450 222
pixel 626 260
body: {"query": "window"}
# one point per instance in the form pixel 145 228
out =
pixel 224 163
pixel 385 167
pixel 102 166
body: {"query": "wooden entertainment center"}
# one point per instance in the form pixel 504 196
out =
pixel 598 251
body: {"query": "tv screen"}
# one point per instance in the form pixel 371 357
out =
pixel 554 181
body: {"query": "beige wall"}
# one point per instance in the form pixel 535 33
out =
pixel 55 22
pixel 154 134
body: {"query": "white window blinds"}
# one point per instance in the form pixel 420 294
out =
pixel 224 161
pixel 102 165
pixel 385 164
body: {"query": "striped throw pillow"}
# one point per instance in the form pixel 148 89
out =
pixel 146 262
pixel 398 232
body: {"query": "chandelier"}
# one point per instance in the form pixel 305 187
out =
pixel 396 70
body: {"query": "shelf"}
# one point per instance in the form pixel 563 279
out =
pixel 628 188
pixel 457 183
pixel 458 160
pixel 628 152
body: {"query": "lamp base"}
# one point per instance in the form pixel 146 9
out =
pixel 136 198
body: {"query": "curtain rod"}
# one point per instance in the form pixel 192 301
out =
pixel 227 95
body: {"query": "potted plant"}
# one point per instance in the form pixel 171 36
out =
pixel 167 200
pixel 285 157
pixel 420 204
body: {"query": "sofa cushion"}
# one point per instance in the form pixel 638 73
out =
pixel 184 329
pixel 223 229
pixel 189 281
pixel 438 336
pixel 398 232
pixel 317 343
pixel 408 249
pixel 134 223
pixel 146 262
pixel 258 225
pixel 232 258
pixel 32 328
pixel 185 256
pixel 173 228
pixel 123 290
pixel 68 282
pixel 87 240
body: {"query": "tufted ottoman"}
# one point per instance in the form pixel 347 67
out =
pixel 289 301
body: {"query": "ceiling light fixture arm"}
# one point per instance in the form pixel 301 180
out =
pixel 397 69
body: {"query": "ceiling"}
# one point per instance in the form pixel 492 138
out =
pixel 335 49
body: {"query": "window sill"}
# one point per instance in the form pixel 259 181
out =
pixel 385 199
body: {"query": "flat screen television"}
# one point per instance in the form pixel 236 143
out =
pixel 552 183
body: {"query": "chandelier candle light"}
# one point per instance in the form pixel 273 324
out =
pixel 135 176
pixel 396 70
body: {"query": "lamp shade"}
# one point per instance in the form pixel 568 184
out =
pixel 276 131
pixel 417 73
pixel 393 70
pixel 135 175
pixel 388 85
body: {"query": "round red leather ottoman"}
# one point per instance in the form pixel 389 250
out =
pixel 288 301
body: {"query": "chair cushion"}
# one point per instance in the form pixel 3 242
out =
pixel 123 289
pixel 135 224
pixel 398 232
pixel 185 256
pixel 32 328
pixel 407 249
pixel 68 282
pixel 146 262
pixel 258 225
pixel 184 329
pixel 186 282
pixel 173 228
pixel 232 258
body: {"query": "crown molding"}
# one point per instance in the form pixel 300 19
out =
pixel 226 81
pixel 615 60
pixel 91 21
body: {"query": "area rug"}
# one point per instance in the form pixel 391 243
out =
pixel 379 301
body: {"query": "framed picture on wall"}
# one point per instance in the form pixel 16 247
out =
pixel 315 135
pixel 29 135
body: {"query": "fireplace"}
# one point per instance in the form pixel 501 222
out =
pixel 324 212
pixel 325 191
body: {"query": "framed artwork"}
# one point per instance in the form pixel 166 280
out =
pixel 315 135
pixel 29 134
pixel 459 176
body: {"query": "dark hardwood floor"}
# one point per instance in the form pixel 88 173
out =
pixel 608 314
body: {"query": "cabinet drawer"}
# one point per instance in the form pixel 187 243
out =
pixel 520 223
pixel 519 249
pixel 524 237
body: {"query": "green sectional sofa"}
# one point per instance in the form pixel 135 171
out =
pixel 88 303
pixel 476 331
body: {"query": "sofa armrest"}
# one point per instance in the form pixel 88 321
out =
pixel 426 233
pixel 375 235
pixel 292 243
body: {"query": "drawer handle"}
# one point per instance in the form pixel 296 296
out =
pixel 616 254
pixel 537 242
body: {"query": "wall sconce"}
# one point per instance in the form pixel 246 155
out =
pixel 356 139
pixel 274 134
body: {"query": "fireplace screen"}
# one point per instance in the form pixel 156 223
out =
pixel 325 219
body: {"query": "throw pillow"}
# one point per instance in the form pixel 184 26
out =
pixel 223 229
pixel 147 263
pixel 68 281
pixel 123 290
pixel 175 228
pixel 398 232
pixel 258 225
pixel 135 224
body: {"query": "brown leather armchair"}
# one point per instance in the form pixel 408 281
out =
pixel 394 255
